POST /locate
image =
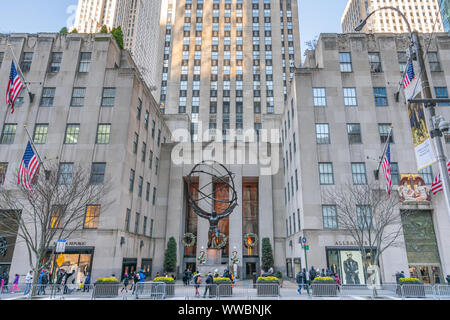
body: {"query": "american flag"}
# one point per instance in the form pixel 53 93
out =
pixel 28 168
pixel 437 183
pixel 410 75
pixel 15 85
pixel 387 169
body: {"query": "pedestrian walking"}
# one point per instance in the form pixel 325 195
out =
pixel 299 280
pixel 16 283
pixel 312 274
pixel 87 282
pixel 43 281
pixel 197 282
pixel 136 279
pixel 125 282
pixel 28 282
pixel 209 281
pixel 5 281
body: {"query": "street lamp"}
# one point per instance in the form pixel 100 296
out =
pixel 416 53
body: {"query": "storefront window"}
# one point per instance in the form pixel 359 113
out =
pixel 348 264
pixel 250 212
pixel 79 262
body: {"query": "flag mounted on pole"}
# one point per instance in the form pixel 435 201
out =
pixel 437 183
pixel 410 75
pixel 28 168
pixel 387 169
pixel 15 85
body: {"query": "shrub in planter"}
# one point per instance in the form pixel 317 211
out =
pixel 106 288
pixel 412 288
pixel 224 286
pixel 170 285
pixel 268 286
pixel 324 286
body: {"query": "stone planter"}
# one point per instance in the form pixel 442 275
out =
pixel 268 289
pixel 413 290
pixel 324 290
pixel 106 291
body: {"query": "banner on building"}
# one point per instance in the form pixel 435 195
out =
pixel 421 138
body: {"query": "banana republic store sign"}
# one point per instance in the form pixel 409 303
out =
pixel 349 243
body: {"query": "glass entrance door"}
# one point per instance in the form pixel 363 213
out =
pixel 250 269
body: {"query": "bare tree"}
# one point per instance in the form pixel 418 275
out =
pixel 370 216
pixel 56 209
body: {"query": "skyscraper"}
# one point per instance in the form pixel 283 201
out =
pixel 423 16
pixel 140 23
pixel 227 62
pixel 445 12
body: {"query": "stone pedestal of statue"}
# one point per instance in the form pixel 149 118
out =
pixel 213 263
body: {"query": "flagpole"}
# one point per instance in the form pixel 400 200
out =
pixel 31 95
pixel 384 152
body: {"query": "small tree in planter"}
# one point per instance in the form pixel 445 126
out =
pixel 268 286
pixel 267 260
pixel 170 257
pixel 170 285
pixel 412 288
pixel 324 286
pixel 106 288
pixel 225 287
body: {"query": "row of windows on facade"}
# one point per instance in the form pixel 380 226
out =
pixel 359 176
pixel 345 60
pixel 330 219
pixel 72 134
pixel 92 220
pixel 380 96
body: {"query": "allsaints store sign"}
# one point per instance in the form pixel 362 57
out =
pixel 349 243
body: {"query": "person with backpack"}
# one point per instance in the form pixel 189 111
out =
pixel 136 279
pixel 299 280
pixel 209 281
pixel 125 282
pixel 197 282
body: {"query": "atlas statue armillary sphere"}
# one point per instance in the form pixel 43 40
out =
pixel 205 205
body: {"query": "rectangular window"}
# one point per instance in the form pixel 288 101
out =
pixel 380 97
pixel 144 151
pixel 103 133
pixel 3 169
pixel 9 132
pixel 56 219
pixel 92 217
pixel 147 115
pixel 48 96
pixel 139 109
pixel 147 192
pixel 108 97
pixel 364 217
pixel 144 229
pixel 131 185
pixel 326 173
pixel 85 62
pixel 359 173
pixel 441 93
pixel 98 173
pixel 135 143
pixel 375 62
pixel 136 223
pixel 329 214
pixel 322 133
pixel 156 166
pixel 384 129
pixel 40 134
pixel 151 227
pixel 433 59
pixel 354 133
pixel 154 196
pixel 345 60
pixel 72 132
pixel 320 97
pixel 402 60
pixel 151 160
pixel 140 186
pixel 127 220
pixel 55 64
pixel 78 95
pixel 65 173
pixel 27 59
pixel 395 174
pixel 350 97
pixel 427 175
pixel 2 54
pixel 153 128
pixel 159 138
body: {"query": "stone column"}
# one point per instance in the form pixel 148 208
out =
pixel 203 224
pixel 236 217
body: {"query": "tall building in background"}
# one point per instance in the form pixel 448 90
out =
pixel 228 62
pixel 423 15
pixel 445 12
pixel 140 23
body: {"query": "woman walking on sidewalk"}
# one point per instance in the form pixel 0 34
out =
pixel 15 283
pixel 125 282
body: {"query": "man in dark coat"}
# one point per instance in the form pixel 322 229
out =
pixel 209 283
pixel 299 280
pixel 312 274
